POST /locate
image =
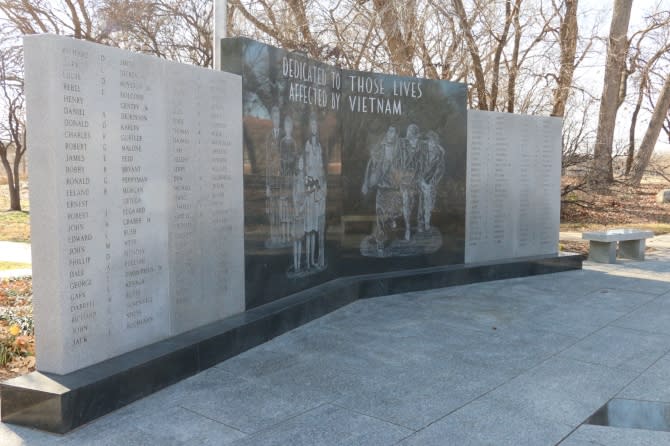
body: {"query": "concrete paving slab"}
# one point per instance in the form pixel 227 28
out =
pixel 561 390
pixel 617 347
pixel 652 385
pixel 613 298
pixel 417 398
pixel 174 426
pixel 653 317
pixel 487 423
pixel 329 425
pixel 245 405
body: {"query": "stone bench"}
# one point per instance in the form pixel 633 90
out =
pixel 603 244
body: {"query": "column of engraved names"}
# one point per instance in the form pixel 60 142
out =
pixel 526 180
pixel 104 127
pixel 183 231
pixel 220 179
pixel 77 179
pixel 133 115
pixel 476 182
pixel 498 170
pixel 546 227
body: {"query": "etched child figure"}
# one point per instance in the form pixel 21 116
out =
pixel 315 198
pixel 298 214
pixel 287 157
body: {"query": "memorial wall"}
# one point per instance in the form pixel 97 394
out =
pixel 165 198
pixel 154 213
pixel 136 199
pixel 345 172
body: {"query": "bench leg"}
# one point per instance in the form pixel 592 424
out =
pixel 632 249
pixel 602 252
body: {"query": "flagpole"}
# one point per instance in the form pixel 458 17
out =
pixel 220 19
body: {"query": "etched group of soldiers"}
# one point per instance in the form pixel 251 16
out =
pixel 405 172
pixel 296 194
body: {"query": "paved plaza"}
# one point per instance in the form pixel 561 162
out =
pixel 514 362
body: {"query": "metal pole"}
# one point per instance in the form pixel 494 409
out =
pixel 220 19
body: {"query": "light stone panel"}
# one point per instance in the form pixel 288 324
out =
pixel 513 186
pixel 184 148
pixel 121 182
pixel 222 223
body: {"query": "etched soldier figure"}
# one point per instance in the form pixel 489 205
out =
pixel 380 173
pixel 273 179
pixel 315 199
pixel 405 173
pixel 432 170
pixel 298 214
pixel 287 162
pixel 408 164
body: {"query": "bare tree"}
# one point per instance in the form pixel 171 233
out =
pixel 646 149
pixel 569 32
pixel 616 53
pixel 12 126
pixel 645 62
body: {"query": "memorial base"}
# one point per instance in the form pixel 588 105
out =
pixel 60 403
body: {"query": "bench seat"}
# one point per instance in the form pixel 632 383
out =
pixel 603 244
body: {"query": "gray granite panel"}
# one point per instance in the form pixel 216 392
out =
pixel 513 186
pixel 118 143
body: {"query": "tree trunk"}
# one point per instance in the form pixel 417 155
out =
pixel 651 135
pixel 12 184
pixel 502 42
pixel 398 32
pixel 514 64
pixel 480 82
pixel 616 53
pixel 568 35
pixel 631 132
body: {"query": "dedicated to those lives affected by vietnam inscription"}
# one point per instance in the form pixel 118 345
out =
pixel 345 169
pixel 513 201
pixel 120 207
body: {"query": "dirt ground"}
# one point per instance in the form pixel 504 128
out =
pixel 622 206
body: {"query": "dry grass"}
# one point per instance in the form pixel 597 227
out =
pixel 15 226
pixel 5 266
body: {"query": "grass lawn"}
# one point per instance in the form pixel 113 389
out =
pixel 4 266
pixel 15 226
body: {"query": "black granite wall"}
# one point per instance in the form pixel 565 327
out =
pixel 355 173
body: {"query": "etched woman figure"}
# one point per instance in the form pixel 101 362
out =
pixel 315 198
pixel 298 214
pixel 273 179
pixel 287 156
